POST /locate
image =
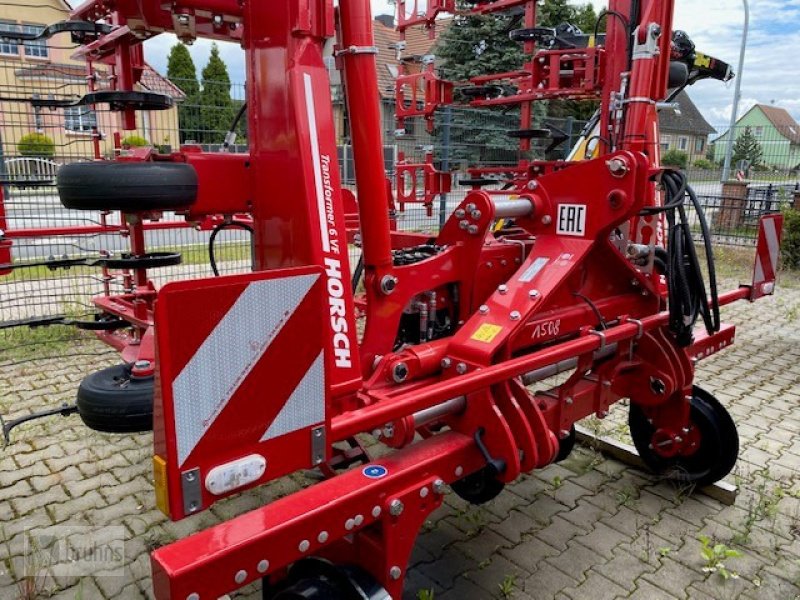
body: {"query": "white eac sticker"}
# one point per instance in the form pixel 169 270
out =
pixel 571 220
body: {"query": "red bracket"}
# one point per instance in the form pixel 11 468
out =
pixel 411 175
pixel 420 94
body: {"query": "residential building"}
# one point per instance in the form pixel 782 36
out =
pixel 45 69
pixel 686 130
pixel 776 131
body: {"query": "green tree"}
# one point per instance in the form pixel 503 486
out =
pixel 216 105
pixel 552 13
pixel 747 147
pixel 675 158
pixel 36 144
pixel 182 72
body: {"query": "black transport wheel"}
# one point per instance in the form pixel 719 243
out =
pixel 113 401
pixel 479 487
pixel 718 443
pixel 566 445
pixel 319 579
pixel 127 186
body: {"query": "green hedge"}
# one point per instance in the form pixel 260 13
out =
pixel 36 144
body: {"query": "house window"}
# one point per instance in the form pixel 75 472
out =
pixel 683 143
pixel 699 145
pixel 664 146
pixel 35 48
pixel 79 118
pixel 759 131
pixel 8 46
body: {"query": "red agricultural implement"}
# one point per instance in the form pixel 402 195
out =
pixel 586 267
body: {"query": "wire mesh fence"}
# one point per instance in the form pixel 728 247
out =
pixel 44 125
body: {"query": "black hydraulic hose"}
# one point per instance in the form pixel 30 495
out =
pixel 230 136
pixel 688 300
pixel 212 259
pixel 358 272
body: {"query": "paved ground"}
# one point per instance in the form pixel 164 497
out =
pixel 589 528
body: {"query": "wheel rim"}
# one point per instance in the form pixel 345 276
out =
pixel 718 443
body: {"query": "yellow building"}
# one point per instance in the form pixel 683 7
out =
pixel 47 69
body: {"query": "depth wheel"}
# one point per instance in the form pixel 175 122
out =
pixel 318 579
pixel 479 487
pixel 113 401
pixel 717 442
pixel 566 445
pixel 127 186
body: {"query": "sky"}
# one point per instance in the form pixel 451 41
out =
pixel 771 69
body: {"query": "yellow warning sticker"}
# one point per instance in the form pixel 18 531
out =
pixel 486 333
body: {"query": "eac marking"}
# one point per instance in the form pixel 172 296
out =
pixel 571 219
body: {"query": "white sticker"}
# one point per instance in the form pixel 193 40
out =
pixel 571 220
pixel 534 269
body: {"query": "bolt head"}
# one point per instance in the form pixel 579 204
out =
pixel 569 400
pixel 532 185
pixel 439 487
pixel 376 511
pixel 262 566
pixel 547 219
pixel 459 471
pixel 484 310
pixel 446 363
pixel 400 372
pixel 304 546
pixel 240 576
pixel 396 508
pixel 460 213
pixel 395 573
pixel 322 537
pixel 503 289
pixel 472 229
pixel 388 284
pixel 475 214
pixel 515 315
pixel 533 294
pixel 461 368
pixel 423 492
pixel 359 520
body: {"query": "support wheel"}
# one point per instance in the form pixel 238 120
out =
pixel 566 445
pixel 716 438
pixel 318 579
pixel 113 401
pixel 127 186
pixel 480 487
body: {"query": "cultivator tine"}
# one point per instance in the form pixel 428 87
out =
pixel 64 410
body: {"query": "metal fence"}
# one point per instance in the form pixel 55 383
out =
pixel 37 137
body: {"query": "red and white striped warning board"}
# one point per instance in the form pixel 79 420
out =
pixel 768 248
pixel 241 394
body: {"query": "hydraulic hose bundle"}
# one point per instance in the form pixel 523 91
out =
pixel 688 300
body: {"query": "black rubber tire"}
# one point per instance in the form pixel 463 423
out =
pixel 719 443
pixel 127 186
pixel 112 401
pixel 566 445
pixel 479 487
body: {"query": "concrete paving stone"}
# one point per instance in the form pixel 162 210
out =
pixel 576 560
pixel 549 582
pixel 602 539
pixel 440 538
pixel 82 505
pixel 672 577
pixel 85 589
pixel 624 569
pixel 78 485
pixel 717 588
pixel 585 515
pixel 417 581
pixel 462 589
pixel 515 526
pixel 493 571
pixel 596 587
pixel 12 476
pixel 529 555
pixel 626 521
pixel 647 591
pixel 25 504
pixel 447 570
pixel 559 533
pixel 484 546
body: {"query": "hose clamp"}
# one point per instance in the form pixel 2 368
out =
pixel 357 50
pixel 602 337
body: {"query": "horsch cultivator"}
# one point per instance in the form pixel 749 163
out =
pixel 586 266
